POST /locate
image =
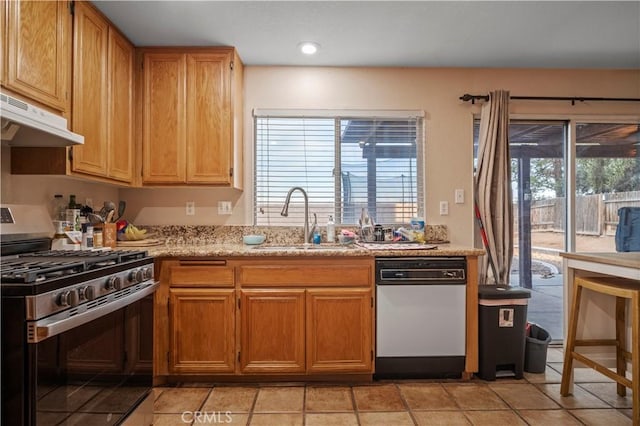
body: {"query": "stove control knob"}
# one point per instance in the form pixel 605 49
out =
pixel 68 298
pixel 147 273
pixel 139 275
pixel 114 283
pixel 133 277
pixel 87 293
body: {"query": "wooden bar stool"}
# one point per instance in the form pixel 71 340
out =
pixel 621 289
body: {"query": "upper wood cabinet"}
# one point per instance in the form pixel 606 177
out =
pixel 191 116
pixel 102 97
pixel 37 51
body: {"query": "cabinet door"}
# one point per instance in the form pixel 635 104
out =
pixel 272 331
pixel 90 41
pixel 202 323
pixel 339 330
pixel 209 126
pixel 38 51
pixel 120 123
pixel 164 118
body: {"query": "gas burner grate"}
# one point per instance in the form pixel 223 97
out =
pixel 31 272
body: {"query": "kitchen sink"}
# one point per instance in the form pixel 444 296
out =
pixel 301 247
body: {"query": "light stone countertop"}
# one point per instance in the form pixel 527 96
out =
pixel 241 250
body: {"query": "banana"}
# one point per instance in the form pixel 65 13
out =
pixel 132 233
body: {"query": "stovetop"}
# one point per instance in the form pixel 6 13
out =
pixel 38 272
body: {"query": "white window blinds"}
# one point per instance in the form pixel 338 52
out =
pixel 344 164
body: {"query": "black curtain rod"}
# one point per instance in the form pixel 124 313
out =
pixel 473 98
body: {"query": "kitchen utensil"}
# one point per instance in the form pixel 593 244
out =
pixel 110 215
pixel 122 205
pixel 95 218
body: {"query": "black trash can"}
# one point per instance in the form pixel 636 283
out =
pixel 502 324
pixel 535 352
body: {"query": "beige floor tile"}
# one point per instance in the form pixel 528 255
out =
pixel 494 418
pixel 555 354
pixel 579 399
pixel 548 417
pixel 627 412
pixel 178 400
pixel 475 397
pixel 440 418
pixel 549 376
pixel 280 399
pixel 330 419
pixel 281 419
pixel 328 398
pixel 583 374
pixel 398 418
pixel 608 393
pixel 240 419
pixel 525 396
pixel 611 417
pixel 236 399
pixel 378 398
pixel 427 396
pixel 170 420
pixel 114 400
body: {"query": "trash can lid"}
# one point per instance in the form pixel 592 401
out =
pixel 490 291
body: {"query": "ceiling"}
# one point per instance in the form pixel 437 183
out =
pixel 502 34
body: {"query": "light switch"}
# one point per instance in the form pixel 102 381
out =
pixel 225 207
pixel 459 197
pixel 444 208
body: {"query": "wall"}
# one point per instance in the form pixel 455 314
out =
pixel 448 153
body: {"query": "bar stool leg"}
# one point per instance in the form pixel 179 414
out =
pixel 635 356
pixel 570 344
pixel 621 343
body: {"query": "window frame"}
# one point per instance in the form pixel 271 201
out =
pixel 337 116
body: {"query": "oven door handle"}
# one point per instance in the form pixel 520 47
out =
pixel 51 326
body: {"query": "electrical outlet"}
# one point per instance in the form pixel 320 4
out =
pixel 225 207
pixel 191 208
pixel 444 208
pixel 459 197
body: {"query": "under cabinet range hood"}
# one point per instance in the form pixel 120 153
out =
pixel 26 125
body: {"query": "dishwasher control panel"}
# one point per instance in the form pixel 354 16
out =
pixel 421 270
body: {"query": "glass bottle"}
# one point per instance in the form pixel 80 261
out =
pixel 72 202
pixel 58 207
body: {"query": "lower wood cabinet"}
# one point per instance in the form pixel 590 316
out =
pixel 272 331
pixel 202 330
pixel 339 336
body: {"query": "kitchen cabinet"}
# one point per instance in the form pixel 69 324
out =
pixel 306 315
pixel 339 325
pixel 103 107
pixel 37 51
pixel 202 324
pixel 191 117
pixel 102 97
pixel 272 331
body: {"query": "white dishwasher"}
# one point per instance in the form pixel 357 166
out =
pixel 420 317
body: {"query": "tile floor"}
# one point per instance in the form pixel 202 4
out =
pixel 535 400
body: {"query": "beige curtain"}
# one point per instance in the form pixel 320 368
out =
pixel 493 189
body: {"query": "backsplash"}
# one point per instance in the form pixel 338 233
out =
pixel 214 234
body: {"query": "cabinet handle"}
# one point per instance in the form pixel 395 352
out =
pixel 203 263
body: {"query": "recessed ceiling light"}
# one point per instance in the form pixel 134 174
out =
pixel 309 47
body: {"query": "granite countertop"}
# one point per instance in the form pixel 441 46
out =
pixel 238 250
pixel 226 241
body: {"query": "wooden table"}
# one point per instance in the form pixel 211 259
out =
pixel 599 308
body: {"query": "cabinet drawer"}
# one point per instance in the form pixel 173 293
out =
pixel 202 274
pixel 305 274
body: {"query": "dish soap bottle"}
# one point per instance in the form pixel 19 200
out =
pixel 331 230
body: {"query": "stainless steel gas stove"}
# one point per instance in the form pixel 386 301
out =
pixel 76 327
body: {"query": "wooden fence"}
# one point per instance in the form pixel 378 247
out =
pixel 595 214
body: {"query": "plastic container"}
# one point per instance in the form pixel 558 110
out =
pixel 502 327
pixel 331 230
pixel 535 353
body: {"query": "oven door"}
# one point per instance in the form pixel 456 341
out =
pixel 95 373
pixel 92 368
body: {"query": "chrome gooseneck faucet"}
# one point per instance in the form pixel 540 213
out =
pixel 285 210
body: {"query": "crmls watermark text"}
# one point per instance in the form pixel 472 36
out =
pixel 207 417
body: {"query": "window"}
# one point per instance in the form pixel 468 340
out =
pixel 344 163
